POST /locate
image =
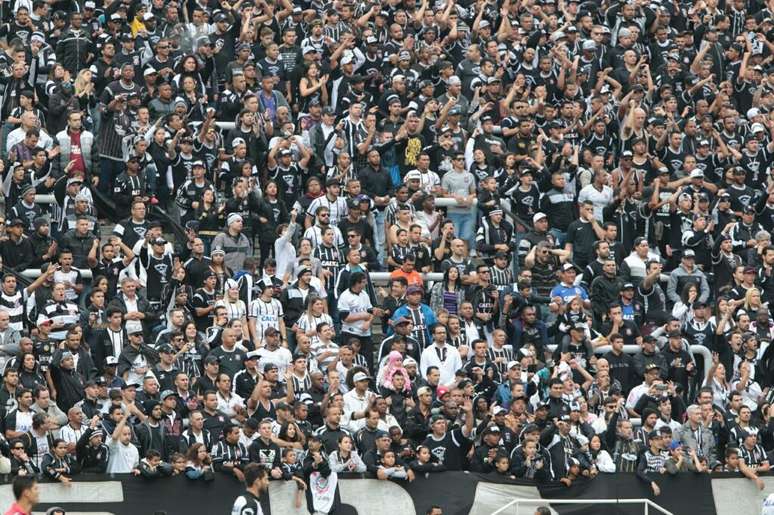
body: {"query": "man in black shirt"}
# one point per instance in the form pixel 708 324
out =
pixel 450 447
pixel 581 235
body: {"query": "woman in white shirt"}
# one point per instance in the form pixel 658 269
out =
pixel 346 458
pixel 314 316
pixel 716 379
pixel 599 456
pixel 235 307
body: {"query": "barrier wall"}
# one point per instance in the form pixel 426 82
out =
pixel 458 493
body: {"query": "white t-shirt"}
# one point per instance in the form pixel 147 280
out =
pixel 600 199
pixel 123 458
pixel 355 303
pixel 281 357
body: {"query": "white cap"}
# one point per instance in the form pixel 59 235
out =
pixel 757 127
pixel 697 173
pixel 360 376
pixel 413 174
pixel 753 112
pixel 537 217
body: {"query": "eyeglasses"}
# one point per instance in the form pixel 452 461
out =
pixel 324 215
pixel 351 235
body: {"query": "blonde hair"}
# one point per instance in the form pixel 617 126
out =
pixel 748 298
pixel 81 81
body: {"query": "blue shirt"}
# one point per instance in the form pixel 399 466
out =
pixel 567 293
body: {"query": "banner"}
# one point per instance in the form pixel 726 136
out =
pixel 457 493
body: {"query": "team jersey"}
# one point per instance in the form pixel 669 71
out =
pixel 246 504
pixel 266 314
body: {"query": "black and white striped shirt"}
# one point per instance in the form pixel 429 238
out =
pixel 755 456
pixel 315 235
pixel 337 208
pixel 390 214
pixel 266 314
pixel 654 462
pixel 65 313
pixel 501 277
pixel 301 385
pixel 223 452
pixel 420 330
pixel 330 260
pixel 14 305
pixel 506 352
pixel 399 252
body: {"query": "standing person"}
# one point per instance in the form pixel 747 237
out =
pixel 440 355
pixel 256 482
pixel 124 456
pixel 25 491
pixel 460 185
pixel 357 313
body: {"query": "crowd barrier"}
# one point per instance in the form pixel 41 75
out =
pixel 457 493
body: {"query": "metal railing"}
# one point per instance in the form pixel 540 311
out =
pixel 635 349
pixel 647 504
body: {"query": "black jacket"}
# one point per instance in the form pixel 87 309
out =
pixel 91 459
pixel 17 255
pixel 74 47
pixel 50 463
pixel 187 439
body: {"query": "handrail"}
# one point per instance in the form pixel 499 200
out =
pixel 635 349
pixel 547 502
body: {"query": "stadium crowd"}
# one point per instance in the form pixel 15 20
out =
pixel 589 186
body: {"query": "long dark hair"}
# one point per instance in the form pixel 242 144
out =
pixel 457 282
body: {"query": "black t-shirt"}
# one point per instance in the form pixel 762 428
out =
pixel 449 450
pixel 582 236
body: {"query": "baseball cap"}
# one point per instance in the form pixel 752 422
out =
pixel 360 376
pixel 537 217
pixel 689 253
pixel 413 175
pixel 414 289
pixel 166 394
pixel 652 366
pixel 697 173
